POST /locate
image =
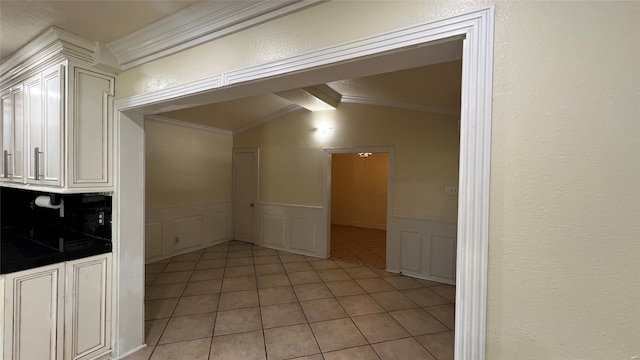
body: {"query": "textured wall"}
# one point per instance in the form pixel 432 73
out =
pixel 564 256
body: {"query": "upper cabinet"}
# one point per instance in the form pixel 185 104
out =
pixel 57 118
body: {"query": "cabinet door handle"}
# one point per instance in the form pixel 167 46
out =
pixel 36 161
pixel 5 163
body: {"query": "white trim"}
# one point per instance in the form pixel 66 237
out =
pixel 401 105
pixel 188 125
pixel 122 356
pixel 475 149
pixel 272 116
pixel 197 24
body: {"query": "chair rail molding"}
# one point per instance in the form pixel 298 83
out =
pixel 433 42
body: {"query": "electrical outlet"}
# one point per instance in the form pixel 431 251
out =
pixel 451 190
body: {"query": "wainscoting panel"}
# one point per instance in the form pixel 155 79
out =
pixel 195 227
pixel 422 248
pixel 273 230
pixel 294 228
pixel 153 239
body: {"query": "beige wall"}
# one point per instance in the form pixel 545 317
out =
pixel 186 166
pixel 359 190
pixel 426 155
pixel 564 255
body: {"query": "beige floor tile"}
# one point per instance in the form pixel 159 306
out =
pixel 208 274
pixel 153 330
pixel 333 275
pixel 173 277
pixel 379 327
pixel 275 280
pixel 241 261
pixel 303 277
pixel 322 310
pixel 383 273
pixel 374 285
pixel 344 288
pixel 428 283
pixel 446 291
pixel 265 252
pixel 441 345
pixel 297 267
pixel 192 350
pixel 282 315
pixel 214 255
pixel 239 254
pixel 202 287
pixel 444 313
pixel 239 271
pixel 361 272
pixel 337 334
pixel 418 321
pixel 158 309
pixel 393 300
pixel 190 327
pixel 180 266
pixel 269 269
pixel 310 357
pixel 245 346
pixel 211 264
pixel 425 297
pixel 238 300
pixel 402 349
pixel 344 264
pixel 265 260
pixel 289 258
pixel 363 304
pixel 306 292
pixel 142 354
pixel 277 295
pixel 236 321
pixel 324 265
pixel 403 282
pixel 290 341
pixel 154 268
pixel 356 353
pixel 149 278
pixel 240 283
pixel 199 304
pixel 164 291
pixel 195 255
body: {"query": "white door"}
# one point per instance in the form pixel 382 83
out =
pixel 245 174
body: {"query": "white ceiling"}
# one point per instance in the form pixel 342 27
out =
pixel 95 20
pixel 433 88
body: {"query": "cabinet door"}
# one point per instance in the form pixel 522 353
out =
pixel 91 129
pixel 13 160
pixel 35 131
pixel 33 321
pixel 88 307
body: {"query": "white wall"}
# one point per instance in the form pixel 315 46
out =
pixel 564 256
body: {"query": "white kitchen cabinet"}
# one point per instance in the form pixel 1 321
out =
pixel 33 308
pixel 57 312
pixel 12 137
pixel 44 118
pixel 88 308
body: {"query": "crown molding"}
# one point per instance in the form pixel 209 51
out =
pixel 188 125
pixel 401 105
pixel 195 25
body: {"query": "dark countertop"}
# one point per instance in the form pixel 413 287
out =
pixel 23 248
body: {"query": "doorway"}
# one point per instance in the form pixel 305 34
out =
pixel 358 213
pixel 245 193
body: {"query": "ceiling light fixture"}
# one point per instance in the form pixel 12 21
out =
pixel 313 98
pixel 364 154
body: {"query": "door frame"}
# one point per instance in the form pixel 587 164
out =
pixel 476 27
pixel 326 186
pixel 256 184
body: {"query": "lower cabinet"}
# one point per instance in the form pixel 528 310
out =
pixel 57 312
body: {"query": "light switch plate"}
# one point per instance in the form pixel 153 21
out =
pixel 451 190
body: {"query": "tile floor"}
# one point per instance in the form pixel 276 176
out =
pixel 240 301
pixel 356 244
